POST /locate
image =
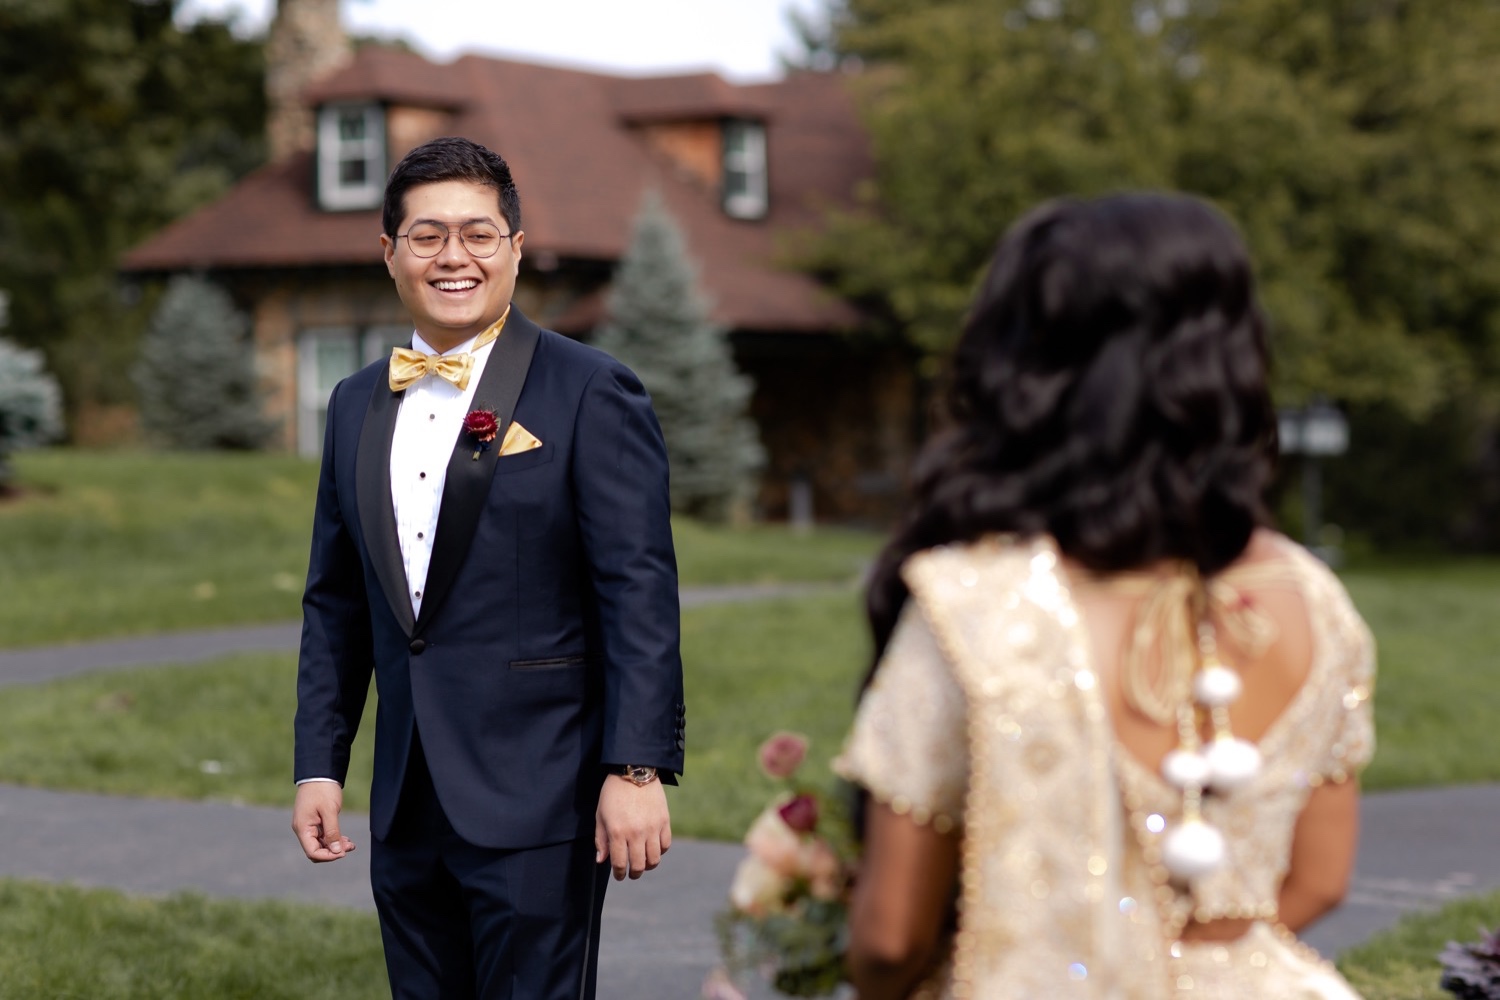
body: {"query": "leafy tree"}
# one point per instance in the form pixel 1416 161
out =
pixel 1356 143
pixel 196 374
pixel 116 121
pixel 30 405
pixel 658 325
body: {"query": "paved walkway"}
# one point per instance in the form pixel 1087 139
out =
pixel 1418 849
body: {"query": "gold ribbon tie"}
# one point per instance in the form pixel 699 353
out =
pixel 408 366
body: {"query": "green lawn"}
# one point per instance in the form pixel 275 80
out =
pixel 62 941
pixel 110 543
pixel 1437 705
pixel 1401 963
pixel 223 730
pixel 98 944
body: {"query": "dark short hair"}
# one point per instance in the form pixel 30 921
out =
pixel 1109 389
pixel 451 158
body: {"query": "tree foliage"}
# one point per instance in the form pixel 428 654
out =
pixel 1356 142
pixel 658 325
pixel 116 121
pixel 196 373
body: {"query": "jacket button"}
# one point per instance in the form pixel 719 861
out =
pixel 681 745
pixel 417 645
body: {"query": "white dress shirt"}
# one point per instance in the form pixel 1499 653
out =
pixel 427 427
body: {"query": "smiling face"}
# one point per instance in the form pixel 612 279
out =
pixel 455 295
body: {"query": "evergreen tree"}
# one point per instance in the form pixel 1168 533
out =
pixel 196 373
pixel 117 120
pixel 658 325
pixel 30 405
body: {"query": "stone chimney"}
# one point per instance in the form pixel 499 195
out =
pixel 306 42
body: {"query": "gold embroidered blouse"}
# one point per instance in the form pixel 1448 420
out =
pixel 985 713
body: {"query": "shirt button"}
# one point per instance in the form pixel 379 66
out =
pixel 421 475
pixel 432 416
pixel 421 535
pixel 418 593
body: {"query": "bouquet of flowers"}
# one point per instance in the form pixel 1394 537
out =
pixel 787 915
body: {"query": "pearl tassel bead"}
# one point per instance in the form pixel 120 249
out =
pixel 1192 849
pixel 1216 686
pixel 1232 763
pixel 1183 768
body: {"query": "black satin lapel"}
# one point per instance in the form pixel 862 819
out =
pixel 468 482
pixel 377 515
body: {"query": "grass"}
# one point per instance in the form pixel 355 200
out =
pixel 114 543
pixel 1437 707
pixel 62 941
pixel 1401 963
pixel 223 730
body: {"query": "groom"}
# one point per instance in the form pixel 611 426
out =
pixel 491 541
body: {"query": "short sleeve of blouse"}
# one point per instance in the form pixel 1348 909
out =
pixel 1354 737
pixel 909 744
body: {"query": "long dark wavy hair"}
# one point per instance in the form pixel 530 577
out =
pixel 1109 389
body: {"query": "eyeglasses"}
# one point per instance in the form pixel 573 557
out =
pixel 481 239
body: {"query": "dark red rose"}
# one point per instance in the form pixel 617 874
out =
pixel 801 813
pixel 482 424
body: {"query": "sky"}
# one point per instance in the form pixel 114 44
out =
pixel 741 39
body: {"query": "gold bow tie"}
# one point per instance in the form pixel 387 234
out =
pixel 407 365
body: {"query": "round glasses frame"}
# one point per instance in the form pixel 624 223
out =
pixel 479 232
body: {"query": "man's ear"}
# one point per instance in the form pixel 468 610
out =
pixel 389 246
pixel 516 241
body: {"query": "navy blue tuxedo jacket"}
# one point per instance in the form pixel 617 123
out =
pixel 547 643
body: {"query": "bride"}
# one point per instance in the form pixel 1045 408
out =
pixel 1112 736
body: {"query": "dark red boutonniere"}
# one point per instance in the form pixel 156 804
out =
pixel 482 426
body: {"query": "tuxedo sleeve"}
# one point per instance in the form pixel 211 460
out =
pixel 337 657
pixel 624 516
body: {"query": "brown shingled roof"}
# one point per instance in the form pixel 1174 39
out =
pixel 581 170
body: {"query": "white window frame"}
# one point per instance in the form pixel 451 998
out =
pixel 371 344
pixel 334 150
pixel 747 162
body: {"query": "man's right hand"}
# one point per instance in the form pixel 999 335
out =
pixel 315 821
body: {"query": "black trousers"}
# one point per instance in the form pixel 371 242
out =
pixel 460 921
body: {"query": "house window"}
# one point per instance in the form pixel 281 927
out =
pixel 325 355
pixel 745 188
pixel 351 156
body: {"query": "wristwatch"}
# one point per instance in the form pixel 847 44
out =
pixel 640 774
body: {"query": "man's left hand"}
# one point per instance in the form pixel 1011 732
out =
pixel 632 827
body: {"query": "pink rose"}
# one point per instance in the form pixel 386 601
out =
pixel 823 870
pixel 782 753
pixel 774 843
pixel 801 813
pixel 757 888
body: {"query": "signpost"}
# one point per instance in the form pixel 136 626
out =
pixel 1315 431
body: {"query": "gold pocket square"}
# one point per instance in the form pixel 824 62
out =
pixel 517 440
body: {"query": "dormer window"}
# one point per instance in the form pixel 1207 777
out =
pixel 745 188
pixel 351 156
